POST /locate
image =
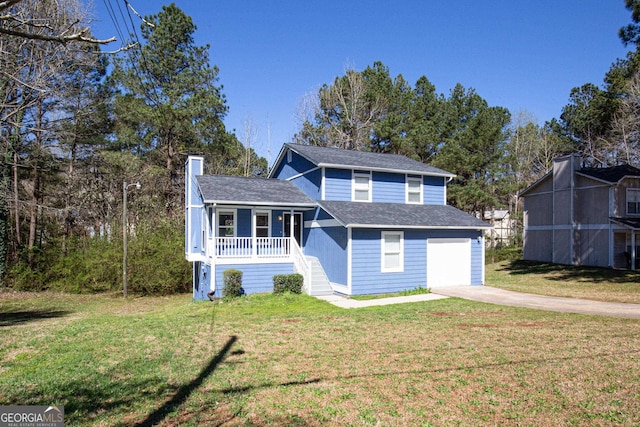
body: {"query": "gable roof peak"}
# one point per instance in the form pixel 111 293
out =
pixel 341 158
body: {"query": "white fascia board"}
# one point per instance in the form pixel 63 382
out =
pixel 291 178
pixel 277 161
pixel 402 171
pixel 320 223
pixel 238 204
pixel 420 227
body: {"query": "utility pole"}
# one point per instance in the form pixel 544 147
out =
pixel 125 186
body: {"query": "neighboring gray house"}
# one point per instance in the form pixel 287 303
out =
pixel 583 216
pixel 350 222
pixel 503 229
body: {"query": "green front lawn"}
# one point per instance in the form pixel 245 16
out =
pixel 296 360
pixel 599 284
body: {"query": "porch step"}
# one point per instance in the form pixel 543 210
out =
pixel 319 281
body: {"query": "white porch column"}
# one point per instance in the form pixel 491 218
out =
pixel 254 241
pixel 633 249
pixel 292 237
pixel 611 242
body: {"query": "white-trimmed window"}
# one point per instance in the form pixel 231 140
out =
pixel 226 224
pixel 262 224
pixel 414 190
pixel 633 201
pixel 392 251
pixel 361 186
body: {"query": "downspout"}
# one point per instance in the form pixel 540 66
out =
pixel 611 236
pixel 447 180
pixel 553 216
pixel 482 242
pixel 571 213
pixel 633 249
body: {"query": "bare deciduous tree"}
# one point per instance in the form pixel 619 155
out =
pixel 348 113
pixel 625 133
pixel 63 23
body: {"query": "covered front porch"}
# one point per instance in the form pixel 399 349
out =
pixel 626 243
pixel 259 241
pixel 235 232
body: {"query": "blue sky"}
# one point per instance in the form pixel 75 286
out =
pixel 521 55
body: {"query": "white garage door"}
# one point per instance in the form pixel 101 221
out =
pixel 448 262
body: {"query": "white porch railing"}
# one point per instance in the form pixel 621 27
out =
pixel 252 247
pixel 301 266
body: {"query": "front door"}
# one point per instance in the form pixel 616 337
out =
pixel 297 227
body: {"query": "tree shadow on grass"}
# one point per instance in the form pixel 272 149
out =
pixel 18 317
pixel 183 393
pixel 559 272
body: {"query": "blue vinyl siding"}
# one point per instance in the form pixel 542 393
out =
pixel 201 280
pixel 255 277
pixel 277 228
pixel 329 245
pixel 337 184
pixel 193 208
pixel 366 264
pixel 433 190
pixel 297 166
pixel 309 183
pixel 366 275
pixel 194 227
pixel 388 187
pixel 243 223
pixel 477 261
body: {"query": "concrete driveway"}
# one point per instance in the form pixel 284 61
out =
pixel 519 299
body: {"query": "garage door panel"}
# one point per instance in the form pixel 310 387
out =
pixel 448 262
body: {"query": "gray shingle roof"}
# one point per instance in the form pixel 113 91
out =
pixel 257 191
pixel 400 216
pixel 340 158
pixel 611 174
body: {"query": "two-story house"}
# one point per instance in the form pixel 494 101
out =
pixel 350 222
pixel 583 216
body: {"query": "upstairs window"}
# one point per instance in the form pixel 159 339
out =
pixel 633 201
pixel 414 190
pixel 361 186
pixel 226 224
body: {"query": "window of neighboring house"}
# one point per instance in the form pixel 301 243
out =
pixel 633 201
pixel 362 186
pixel 414 190
pixel 262 224
pixel 392 251
pixel 226 224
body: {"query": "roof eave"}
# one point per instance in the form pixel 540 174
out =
pixel 277 161
pixel 389 170
pixel 535 184
pixel 596 178
pixel 421 227
pixel 249 203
